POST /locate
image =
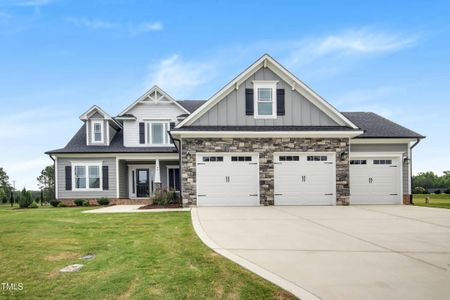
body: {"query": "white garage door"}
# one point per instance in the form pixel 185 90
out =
pixel 375 180
pixel 304 178
pixel 229 179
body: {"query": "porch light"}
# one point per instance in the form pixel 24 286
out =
pixel 343 155
pixel 406 160
pixel 188 155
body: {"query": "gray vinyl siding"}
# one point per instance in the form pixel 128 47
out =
pixel 386 148
pixel 123 179
pixel 231 109
pixel 63 194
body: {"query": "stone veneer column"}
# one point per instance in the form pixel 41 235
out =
pixel 265 147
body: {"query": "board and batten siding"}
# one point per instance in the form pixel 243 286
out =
pixel 231 109
pixel 147 112
pixel 387 148
pixel 64 194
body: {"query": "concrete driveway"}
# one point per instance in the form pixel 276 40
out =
pixel 336 252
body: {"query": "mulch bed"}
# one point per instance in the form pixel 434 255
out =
pixel 151 206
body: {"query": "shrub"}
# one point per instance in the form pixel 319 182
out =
pixel 86 203
pixel 54 203
pixel 419 190
pixel 62 204
pixel 447 191
pixel 103 201
pixel 25 199
pixel 165 197
pixel 437 192
pixel 79 202
pixel 34 205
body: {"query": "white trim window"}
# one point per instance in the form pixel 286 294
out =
pixel 156 132
pixel 265 99
pixel 97 132
pixel 87 176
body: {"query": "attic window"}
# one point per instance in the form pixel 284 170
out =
pixel 265 99
pixel 97 131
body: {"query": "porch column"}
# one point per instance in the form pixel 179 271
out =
pixel 157 182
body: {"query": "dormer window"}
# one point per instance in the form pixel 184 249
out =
pixel 265 99
pixel 97 131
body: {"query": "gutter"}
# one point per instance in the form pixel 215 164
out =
pixel 410 168
pixel 54 176
pixel 179 162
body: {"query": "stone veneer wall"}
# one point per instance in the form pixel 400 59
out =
pixel 265 147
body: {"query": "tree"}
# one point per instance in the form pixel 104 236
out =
pixel 46 182
pixel 4 186
pixel 426 180
pixel 25 198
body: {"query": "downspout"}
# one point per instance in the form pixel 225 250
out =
pixel 410 170
pixel 179 162
pixel 54 176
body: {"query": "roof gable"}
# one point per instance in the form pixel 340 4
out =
pixel 267 61
pixel 153 95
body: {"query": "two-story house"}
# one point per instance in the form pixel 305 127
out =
pixel 265 138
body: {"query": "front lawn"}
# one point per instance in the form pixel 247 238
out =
pixel 138 256
pixel 442 200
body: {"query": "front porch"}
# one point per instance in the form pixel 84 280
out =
pixel 139 179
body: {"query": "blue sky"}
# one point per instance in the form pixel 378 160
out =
pixel 57 58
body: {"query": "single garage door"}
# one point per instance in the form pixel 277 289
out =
pixel 375 180
pixel 230 179
pixel 305 178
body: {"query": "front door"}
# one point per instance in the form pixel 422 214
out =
pixel 142 183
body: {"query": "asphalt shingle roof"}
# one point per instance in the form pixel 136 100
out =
pixel 375 126
pixel 191 105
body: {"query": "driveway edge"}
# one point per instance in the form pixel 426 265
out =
pixel 281 282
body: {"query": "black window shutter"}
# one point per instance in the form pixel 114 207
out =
pixel 68 170
pixel 141 133
pixel 172 125
pixel 249 102
pixel 280 102
pixel 105 171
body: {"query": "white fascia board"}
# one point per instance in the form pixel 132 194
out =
pixel 273 134
pixel 145 96
pixel 381 141
pixel 131 156
pixel 283 73
pixel 85 116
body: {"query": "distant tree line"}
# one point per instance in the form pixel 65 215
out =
pixel 46 184
pixel 425 182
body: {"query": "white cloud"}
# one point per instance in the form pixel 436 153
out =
pixel 149 26
pixel 180 77
pixel 93 24
pixel 354 42
pixel 101 24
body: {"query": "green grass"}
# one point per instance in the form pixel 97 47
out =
pixel 138 256
pixel 442 200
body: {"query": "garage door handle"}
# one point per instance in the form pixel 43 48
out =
pixel 201 195
pixel 278 194
pixel 393 166
pixel 393 194
pixel 329 163
pixel 253 195
pixel 252 163
pixel 329 194
pixel 200 163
